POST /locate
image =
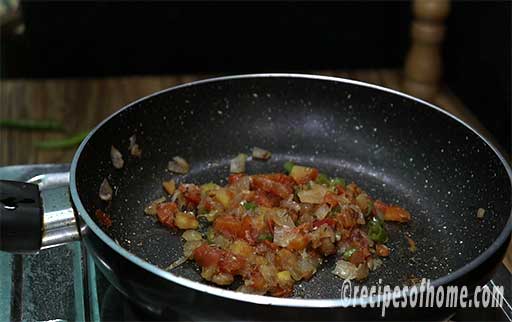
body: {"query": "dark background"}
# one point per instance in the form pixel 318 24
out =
pixel 95 39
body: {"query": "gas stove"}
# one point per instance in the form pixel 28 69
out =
pixel 62 283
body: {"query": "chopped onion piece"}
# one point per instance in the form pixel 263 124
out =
pixel 177 263
pixel 134 147
pixel 237 165
pixel 178 165
pixel 190 235
pixel 322 211
pixel 374 263
pixel 314 195
pixel 105 191
pixel 151 209
pixel 348 271
pixel 222 241
pixel 169 187
pixel 176 195
pixel 290 204
pixel 412 244
pixel 190 246
pixel 283 235
pixel 116 157
pixel 362 272
pixel 132 140
pixel 259 153
pixel 480 213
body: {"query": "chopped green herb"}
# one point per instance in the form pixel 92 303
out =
pixel 263 237
pixel 376 230
pixel 65 143
pixel 288 166
pixel 348 253
pixel 338 181
pixel 322 179
pixel 34 125
pixel 250 206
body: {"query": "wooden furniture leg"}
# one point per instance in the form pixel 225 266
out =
pixel 423 64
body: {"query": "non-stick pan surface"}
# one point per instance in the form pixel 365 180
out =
pixel 396 148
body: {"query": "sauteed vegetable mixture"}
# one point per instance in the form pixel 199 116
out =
pixel 273 230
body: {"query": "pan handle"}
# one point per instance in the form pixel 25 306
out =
pixel 27 222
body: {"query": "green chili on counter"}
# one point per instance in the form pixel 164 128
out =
pixel 31 125
pixel 64 143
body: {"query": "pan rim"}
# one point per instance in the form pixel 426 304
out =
pixel 268 300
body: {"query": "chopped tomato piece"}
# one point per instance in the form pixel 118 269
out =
pixel 395 213
pixel 266 199
pixel 298 243
pixel 230 263
pixel 273 187
pixel 330 199
pixel 103 218
pixel 281 178
pixel 207 255
pixel 233 178
pixel 358 257
pixel 165 212
pixel 340 189
pixel 328 221
pixel 347 218
pixel 191 192
pixel 229 226
pixel 256 280
pixel 250 231
pixel 391 213
pixel 382 250
pixel 208 205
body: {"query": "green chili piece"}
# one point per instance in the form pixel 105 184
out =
pixel 376 230
pixel 348 253
pixel 250 206
pixel 322 179
pixel 64 143
pixel 33 125
pixel 263 237
pixel 338 181
pixel 288 166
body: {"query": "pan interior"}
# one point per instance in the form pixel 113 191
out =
pixel 395 148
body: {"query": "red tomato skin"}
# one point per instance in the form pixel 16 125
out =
pixel 230 263
pixel 191 192
pixel 329 221
pixel 229 226
pixel 207 255
pixel 330 199
pixel 165 213
pixel 273 187
pixel 233 178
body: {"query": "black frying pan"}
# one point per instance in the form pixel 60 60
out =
pixel 397 148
